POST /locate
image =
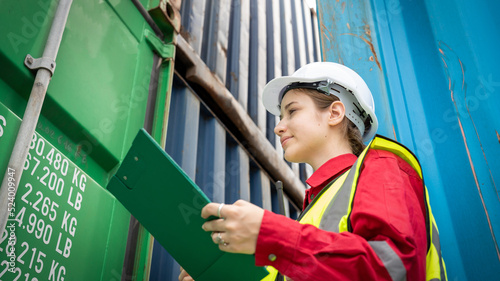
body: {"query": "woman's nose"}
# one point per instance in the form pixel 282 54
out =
pixel 280 128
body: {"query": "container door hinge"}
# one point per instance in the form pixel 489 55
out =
pixel 43 62
pixel 164 50
pixel 166 15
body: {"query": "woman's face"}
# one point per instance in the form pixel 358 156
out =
pixel 303 128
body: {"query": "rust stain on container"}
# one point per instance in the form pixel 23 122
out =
pixel 368 31
pixel 445 64
pixel 370 58
pixel 451 88
pixel 498 136
pixel 370 44
pixel 464 89
pixel 234 76
pixel 187 35
pixel 463 74
pixel 348 26
pixel 323 35
pixel 325 30
pixel 343 7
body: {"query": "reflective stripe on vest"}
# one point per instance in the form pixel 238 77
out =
pixel 331 210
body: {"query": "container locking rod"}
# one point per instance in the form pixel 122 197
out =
pixel 14 170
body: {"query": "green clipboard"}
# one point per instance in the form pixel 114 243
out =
pixel 157 192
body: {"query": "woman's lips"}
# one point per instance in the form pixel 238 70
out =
pixel 284 140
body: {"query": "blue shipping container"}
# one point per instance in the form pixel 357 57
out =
pixel 433 69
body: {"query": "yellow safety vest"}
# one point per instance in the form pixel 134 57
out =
pixel 331 211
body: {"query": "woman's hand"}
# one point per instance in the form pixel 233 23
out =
pixel 184 276
pixel 237 229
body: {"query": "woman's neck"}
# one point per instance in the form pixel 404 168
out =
pixel 331 151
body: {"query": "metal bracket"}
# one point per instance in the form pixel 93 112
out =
pixel 43 62
pixel 164 50
pixel 325 86
pixel 166 16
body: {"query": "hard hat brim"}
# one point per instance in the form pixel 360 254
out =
pixel 271 92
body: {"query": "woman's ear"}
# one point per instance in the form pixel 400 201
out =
pixel 336 113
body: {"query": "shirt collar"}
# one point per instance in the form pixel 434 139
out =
pixel 330 170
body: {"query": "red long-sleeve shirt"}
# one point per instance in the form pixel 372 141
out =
pixel 388 206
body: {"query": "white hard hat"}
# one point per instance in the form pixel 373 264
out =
pixel 328 78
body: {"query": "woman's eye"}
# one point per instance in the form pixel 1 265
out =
pixel 291 111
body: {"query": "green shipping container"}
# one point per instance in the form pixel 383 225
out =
pixel 112 78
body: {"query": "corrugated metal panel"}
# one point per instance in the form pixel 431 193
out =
pixel 237 174
pixel 315 40
pixel 242 43
pixel 298 29
pixel 238 52
pixel 183 126
pixel 283 17
pixel 308 33
pixel 274 50
pixel 273 54
pixel 193 17
pixel 432 67
pixel 215 30
pixel 288 51
pixel 210 165
pixel 257 71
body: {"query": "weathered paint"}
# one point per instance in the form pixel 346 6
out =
pixel 432 67
pixel 450 60
pixel 369 43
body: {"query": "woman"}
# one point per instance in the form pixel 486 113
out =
pixel 366 215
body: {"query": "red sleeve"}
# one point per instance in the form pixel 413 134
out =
pixel 387 220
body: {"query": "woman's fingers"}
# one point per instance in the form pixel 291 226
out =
pixel 212 209
pixel 184 276
pixel 237 232
pixel 215 225
pixel 220 238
